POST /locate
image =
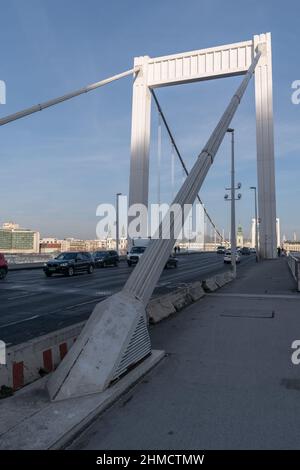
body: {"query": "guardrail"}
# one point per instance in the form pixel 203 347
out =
pixel 294 265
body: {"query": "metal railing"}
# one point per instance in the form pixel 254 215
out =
pixel 294 265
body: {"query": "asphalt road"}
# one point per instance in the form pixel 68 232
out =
pixel 32 305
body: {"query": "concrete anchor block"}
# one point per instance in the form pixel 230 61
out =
pixel 196 291
pixel 99 354
pixel 210 285
pixel 160 308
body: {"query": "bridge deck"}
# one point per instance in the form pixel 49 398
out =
pixel 228 381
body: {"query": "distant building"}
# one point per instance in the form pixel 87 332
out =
pixel 239 236
pixel 110 244
pixel 72 244
pixel 10 225
pixel 291 246
pixel 94 245
pixel 50 245
pixel 15 240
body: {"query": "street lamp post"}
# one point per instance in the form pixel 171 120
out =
pixel 256 223
pixel 117 221
pixel 232 199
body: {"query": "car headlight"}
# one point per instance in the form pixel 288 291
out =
pixel 45 264
pixel 64 264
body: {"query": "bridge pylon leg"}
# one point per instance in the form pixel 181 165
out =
pixel 265 149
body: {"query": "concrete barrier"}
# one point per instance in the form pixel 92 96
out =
pixel 195 291
pixel 221 280
pixel 159 308
pixel 163 306
pixel 180 298
pixel 210 285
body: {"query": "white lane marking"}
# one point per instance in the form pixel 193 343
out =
pixel 17 297
pixel 83 303
pixel 19 321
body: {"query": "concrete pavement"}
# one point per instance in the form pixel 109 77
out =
pixel 228 381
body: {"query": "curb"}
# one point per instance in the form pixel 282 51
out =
pixel 32 422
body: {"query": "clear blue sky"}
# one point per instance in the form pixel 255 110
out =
pixel 58 165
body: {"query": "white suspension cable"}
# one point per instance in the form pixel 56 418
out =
pixel 173 170
pixel 68 96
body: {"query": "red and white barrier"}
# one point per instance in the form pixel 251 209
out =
pixel 28 361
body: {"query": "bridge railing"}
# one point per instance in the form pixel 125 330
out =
pixel 294 265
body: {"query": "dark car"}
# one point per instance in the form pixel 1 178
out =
pixel 3 266
pixel 221 250
pixel 171 263
pixel 106 258
pixel 245 251
pixel 70 263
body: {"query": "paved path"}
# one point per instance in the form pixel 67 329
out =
pixel 228 381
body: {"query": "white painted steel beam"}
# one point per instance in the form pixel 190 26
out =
pixel 140 135
pixel 204 64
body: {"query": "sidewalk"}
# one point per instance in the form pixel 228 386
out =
pixel 228 381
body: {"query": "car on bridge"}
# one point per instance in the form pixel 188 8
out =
pixel 245 251
pixel 227 257
pixel 3 267
pixel 172 262
pixel 106 258
pixel 69 263
pixel 221 250
pixel 134 254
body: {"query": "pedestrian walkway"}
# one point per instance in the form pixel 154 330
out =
pixel 228 381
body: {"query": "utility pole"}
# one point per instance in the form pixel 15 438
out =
pixel 232 199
